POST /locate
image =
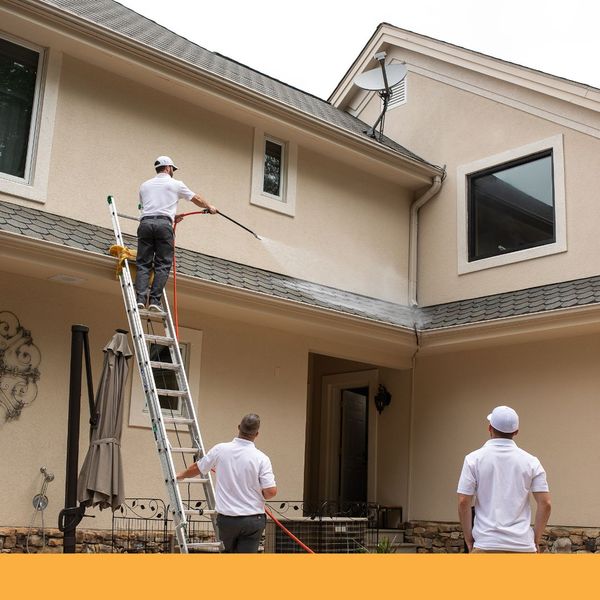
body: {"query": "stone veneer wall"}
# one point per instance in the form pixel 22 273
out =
pixel 435 537
pixel 14 540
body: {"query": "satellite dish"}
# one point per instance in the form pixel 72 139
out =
pixel 373 80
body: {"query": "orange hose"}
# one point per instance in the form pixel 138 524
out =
pixel 289 533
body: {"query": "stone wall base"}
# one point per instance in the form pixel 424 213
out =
pixel 436 537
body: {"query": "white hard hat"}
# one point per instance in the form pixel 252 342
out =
pixel 164 161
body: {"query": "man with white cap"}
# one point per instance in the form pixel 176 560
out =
pixel 501 477
pixel 158 198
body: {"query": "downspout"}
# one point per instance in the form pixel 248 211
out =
pixel 413 237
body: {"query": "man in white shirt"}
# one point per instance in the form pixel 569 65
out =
pixel 158 198
pixel 244 481
pixel 501 476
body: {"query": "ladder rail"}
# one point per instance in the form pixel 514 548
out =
pixel 149 386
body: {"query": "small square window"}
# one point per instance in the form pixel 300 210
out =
pixel 19 68
pixel 511 207
pixel 165 378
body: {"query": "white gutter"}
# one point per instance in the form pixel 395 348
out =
pixel 413 237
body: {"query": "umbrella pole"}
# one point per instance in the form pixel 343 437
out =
pixel 70 516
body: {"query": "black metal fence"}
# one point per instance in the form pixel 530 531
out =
pixel 142 525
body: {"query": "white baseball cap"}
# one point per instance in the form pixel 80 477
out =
pixel 164 161
pixel 504 419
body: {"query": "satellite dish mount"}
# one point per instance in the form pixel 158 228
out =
pixel 381 80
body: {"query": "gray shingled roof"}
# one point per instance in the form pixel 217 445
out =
pixel 126 22
pixel 78 235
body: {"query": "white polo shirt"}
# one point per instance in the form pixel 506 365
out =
pixel 159 195
pixel 242 471
pixel 500 475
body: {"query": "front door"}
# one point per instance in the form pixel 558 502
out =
pixel 353 451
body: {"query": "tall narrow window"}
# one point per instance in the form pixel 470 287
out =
pixel 19 68
pixel 273 168
pixel 511 207
pixel 166 377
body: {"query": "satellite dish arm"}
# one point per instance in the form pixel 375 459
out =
pixel 385 96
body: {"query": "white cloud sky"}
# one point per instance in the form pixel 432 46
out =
pixel 311 44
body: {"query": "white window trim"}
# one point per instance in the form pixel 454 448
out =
pixel 138 414
pixel 34 186
pixel 286 203
pixel 554 143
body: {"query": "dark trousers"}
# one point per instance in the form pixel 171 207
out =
pixel 241 534
pixel 154 253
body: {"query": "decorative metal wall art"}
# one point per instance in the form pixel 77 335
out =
pixel 19 362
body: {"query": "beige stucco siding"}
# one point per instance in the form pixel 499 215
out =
pixel 554 388
pixel 109 129
pixel 454 117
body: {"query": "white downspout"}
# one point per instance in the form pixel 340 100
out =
pixel 413 237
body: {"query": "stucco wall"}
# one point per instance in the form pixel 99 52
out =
pixel 553 386
pixel 243 368
pixel 448 124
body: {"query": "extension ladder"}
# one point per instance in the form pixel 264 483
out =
pixel 187 418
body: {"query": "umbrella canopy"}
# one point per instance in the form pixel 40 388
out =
pixel 101 477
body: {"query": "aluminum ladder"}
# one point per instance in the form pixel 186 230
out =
pixel 187 419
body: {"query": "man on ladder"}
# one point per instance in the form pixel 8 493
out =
pixel 158 199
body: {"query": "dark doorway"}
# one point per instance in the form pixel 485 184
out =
pixel 353 451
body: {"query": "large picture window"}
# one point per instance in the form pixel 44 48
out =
pixel 511 207
pixel 19 70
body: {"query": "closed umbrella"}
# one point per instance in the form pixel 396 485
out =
pixel 101 477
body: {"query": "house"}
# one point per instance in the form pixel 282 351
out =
pixel 369 273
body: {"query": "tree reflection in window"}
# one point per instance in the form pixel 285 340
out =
pixel 18 75
pixel 273 170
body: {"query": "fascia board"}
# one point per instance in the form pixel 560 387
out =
pixel 229 91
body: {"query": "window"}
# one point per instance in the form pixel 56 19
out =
pixel 165 378
pixel 274 173
pixel 190 346
pixel 511 206
pixel 29 77
pixel 19 67
pixel 273 169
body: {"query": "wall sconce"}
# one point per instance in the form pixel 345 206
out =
pixel 382 398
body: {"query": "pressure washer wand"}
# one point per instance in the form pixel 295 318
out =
pixel 238 224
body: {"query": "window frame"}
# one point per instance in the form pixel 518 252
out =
pixel 285 203
pixel 34 184
pixel 513 157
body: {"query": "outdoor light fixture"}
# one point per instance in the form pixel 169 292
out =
pixel 382 398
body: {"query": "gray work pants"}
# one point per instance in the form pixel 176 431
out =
pixel 154 252
pixel 241 534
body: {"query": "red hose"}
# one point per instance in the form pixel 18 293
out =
pixel 288 532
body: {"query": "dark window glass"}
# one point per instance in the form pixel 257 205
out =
pixel 18 73
pixel 165 379
pixel 511 207
pixel 273 167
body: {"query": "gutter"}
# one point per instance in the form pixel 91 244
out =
pixel 436 186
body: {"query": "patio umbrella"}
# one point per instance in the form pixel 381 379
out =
pixel 101 477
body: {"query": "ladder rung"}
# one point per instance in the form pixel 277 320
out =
pixel 214 546
pixel 164 366
pixel 193 480
pixel 185 450
pixel 178 420
pixel 152 314
pixel 199 512
pixel 172 393
pixel 162 340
